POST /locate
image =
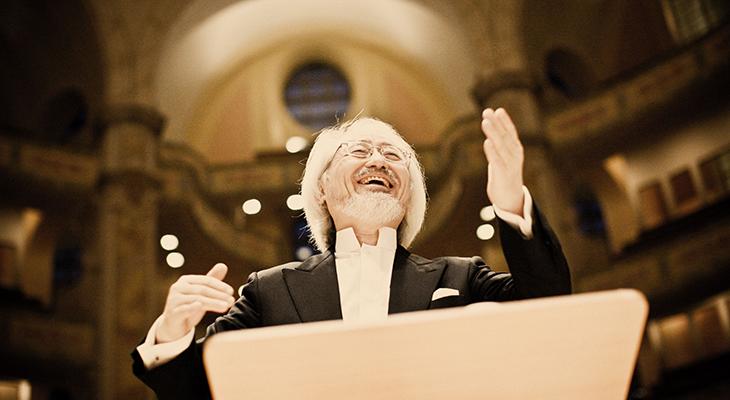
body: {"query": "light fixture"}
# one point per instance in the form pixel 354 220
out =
pixel 487 213
pixel 169 242
pixel 296 144
pixel 485 232
pixel 303 252
pixel 251 206
pixel 175 260
pixel 295 202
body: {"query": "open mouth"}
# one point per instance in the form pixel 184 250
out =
pixel 376 181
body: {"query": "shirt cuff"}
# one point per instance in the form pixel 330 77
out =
pixel 522 224
pixel 153 354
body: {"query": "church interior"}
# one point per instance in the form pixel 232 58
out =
pixel 142 140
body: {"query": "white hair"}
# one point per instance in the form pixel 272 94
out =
pixel 325 146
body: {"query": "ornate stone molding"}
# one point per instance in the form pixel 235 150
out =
pixel 33 337
pixel 660 272
pixel 145 116
pixel 500 81
pixel 51 166
pixel 654 88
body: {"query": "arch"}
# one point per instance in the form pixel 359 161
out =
pixel 209 46
pixel 569 73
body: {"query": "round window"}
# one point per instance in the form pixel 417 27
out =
pixel 316 95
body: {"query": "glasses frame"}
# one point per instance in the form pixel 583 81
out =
pixel 381 148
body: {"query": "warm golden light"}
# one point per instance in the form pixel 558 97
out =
pixel 295 202
pixel 487 213
pixel 251 206
pixel 296 144
pixel 485 232
pixel 175 260
pixel 169 242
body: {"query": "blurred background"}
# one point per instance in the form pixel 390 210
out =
pixel 143 140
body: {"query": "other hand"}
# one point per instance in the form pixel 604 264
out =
pixel 505 158
pixel 189 298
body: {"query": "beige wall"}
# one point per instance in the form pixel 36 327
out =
pixel 245 113
pixel 220 77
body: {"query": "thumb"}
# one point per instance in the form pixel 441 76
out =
pixel 218 271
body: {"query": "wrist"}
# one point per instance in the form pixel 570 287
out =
pixel 165 333
pixel 516 209
pixel 514 206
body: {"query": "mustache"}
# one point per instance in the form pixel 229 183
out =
pixel 379 170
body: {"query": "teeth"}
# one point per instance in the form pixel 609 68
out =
pixel 375 179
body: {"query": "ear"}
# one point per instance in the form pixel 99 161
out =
pixel 321 199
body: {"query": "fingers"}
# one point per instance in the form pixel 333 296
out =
pixel 190 297
pixel 199 302
pixel 218 271
pixel 495 134
pixel 491 152
pixel 204 287
pixel 499 128
pixel 491 127
pixel 184 311
pixel 505 155
pixel 506 121
pixel 208 281
pixel 185 287
pixel 200 293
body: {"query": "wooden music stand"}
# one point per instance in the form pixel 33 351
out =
pixel 569 347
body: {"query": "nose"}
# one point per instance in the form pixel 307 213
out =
pixel 376 159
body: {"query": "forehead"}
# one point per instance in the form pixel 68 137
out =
pixel 373 131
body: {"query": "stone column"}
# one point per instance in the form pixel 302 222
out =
pixel 515 92
pixel 129 191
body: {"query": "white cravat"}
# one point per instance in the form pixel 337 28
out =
pixel 363 274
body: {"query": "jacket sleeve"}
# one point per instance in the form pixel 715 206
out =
pixel 184 376
pixel 537 266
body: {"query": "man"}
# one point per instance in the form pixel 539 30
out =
pixel 365 201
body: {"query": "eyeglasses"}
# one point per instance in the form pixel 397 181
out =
pixel 362 149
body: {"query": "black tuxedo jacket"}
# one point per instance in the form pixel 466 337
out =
pixel 308 291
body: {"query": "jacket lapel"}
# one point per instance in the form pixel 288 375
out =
pixel 313 288
pixel 414 280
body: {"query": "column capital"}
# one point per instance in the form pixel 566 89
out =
pixel 130 113
pixel 515 91
pixel 130 135
pixel 499 81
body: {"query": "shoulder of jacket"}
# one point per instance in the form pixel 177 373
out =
pixel 461 261
pixel 449 260
pixel 276 270
pixel 309 263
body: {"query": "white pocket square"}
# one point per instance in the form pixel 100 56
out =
pixel 444 292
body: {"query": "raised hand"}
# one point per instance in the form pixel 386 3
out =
pixel 189 298
pixel 505 157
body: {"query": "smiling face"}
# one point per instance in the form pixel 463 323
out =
pixel 334 197
pixel 367 190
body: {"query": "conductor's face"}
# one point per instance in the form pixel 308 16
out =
pixel 367 181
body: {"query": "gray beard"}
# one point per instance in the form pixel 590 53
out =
pixel 377 208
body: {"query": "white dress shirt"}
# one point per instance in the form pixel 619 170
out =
pixel 363 276
pixel 154 354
